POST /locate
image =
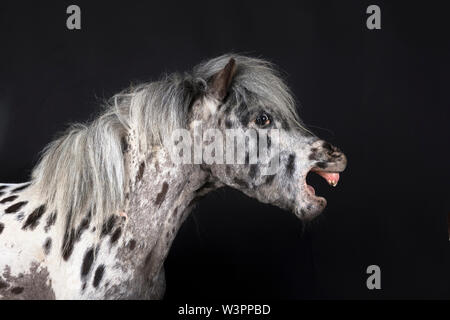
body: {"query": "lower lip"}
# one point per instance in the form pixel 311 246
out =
pixel 311 189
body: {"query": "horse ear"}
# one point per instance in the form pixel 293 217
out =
pixel 221 81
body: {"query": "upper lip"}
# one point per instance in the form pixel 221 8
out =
pixel 332 177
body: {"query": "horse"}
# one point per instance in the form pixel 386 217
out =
pixel 105 201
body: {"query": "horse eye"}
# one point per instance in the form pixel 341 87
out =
pixel 263 119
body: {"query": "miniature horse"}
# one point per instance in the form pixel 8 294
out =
pixel 106 200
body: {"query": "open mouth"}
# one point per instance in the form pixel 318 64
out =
pixel 328 163
pixel 331 177
pixel 311 205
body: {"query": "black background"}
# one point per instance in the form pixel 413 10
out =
pixel 380 95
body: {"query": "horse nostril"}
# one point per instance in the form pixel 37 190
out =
pixel 327 146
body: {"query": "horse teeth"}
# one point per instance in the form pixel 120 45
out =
pixel 332 183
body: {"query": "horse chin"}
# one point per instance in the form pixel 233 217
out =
pixel 310 207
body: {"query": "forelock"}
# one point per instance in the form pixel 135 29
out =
pixel 256 81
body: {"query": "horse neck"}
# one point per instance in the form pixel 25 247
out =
pixel 162 197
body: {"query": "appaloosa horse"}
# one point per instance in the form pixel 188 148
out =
pixel 105 202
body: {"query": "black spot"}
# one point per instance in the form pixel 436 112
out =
pixel 244 118
pixel 15 207
pixel 269 179
pixel 83 287
pixel 108 225
pixel 21 188
pixel 241 183
pixel 124 144
pixel 2 226
pixel 50 221
pixel 116 235
pixel 161 196
pixel 336 155
pixel 321 165
pixel 17 290
pixel 285 125
pixel 243 114
pixel 2 187
pixel 140 171
pixel 228 124
pixel 1 194
pixel 132 244
pixel 84 225
pixel 206 186
pixel 47 245
pixel 290 166
pixel 253 170
pixel 313 156
pixel 205 168
pixel 87 262
pixel 67 246
pixel 98 275
pixel 9 199
pixel 3 284
pixel 327 146
pixel 33 218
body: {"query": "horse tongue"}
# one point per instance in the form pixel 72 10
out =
pixel 331 177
